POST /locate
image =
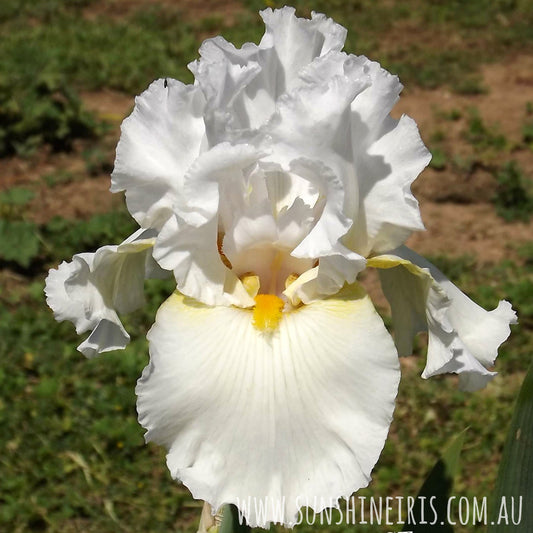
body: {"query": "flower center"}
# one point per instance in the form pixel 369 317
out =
pixel 267 312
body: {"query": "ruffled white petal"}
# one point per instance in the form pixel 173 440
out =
pixel 93 287
pixel 297 41
pixel 159 142
pixel 388 211
pixel 73 296
pixel 388 201
pixel 243 85
pixel 298 414
pixel 463 337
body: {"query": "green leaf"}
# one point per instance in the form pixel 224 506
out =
pixel 16 196
pixel 515 476
pixel 19 242
pixel 430 508
pixel 230 521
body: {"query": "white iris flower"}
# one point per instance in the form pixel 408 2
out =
pixel 266 188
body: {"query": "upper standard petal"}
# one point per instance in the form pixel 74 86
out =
pixel 159 142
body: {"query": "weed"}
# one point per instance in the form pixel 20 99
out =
pixel 513 201
pixel 481 137
pixel 97 161
pixel 525 251
pixel 44 110
pixel 20 240
pixel 455 268
pixel 438 160
pixel 452 115
pixel 470 85
pixel 437 136
pixel 64 238
pixel 58 177
pixel 19 243
pixel 527 134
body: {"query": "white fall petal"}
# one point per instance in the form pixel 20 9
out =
pixel 463 337
pixel 299 415
pixel 90 290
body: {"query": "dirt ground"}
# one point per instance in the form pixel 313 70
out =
pixel 225 10
pixel 458 213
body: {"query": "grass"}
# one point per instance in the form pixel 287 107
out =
pixel 73 453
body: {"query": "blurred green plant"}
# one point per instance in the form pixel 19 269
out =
pixel 23 241
pixel 97 160
pixel 527 134
pixel 20 240
pixel 58 177
pixel 513 200
pixel 482 137
pixel 439 159
pixel 64 238
pixel 41 110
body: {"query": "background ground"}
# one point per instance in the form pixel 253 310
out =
pixel 73 455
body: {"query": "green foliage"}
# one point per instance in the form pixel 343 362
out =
pixel 20 241
pixel 230 521
pixel 58 177
pixel 64 238
pixel 527 133
pixel 437 488
pixel 23 241
pixel 97 161
pixel 481 136
pixel 470 85
pixel 513 200
pixel 41 10
pixel 124 54
pixel 452 115
pixel 14 201
pixel 430 68
pixel 438 161
pixel 454 268
pixel 42 109
pixel 439 156
pixel 43 65
pixel 515 476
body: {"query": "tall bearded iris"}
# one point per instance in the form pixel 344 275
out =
pixel 266 188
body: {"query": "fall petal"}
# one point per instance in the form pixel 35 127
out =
pixel 299 413
pixel 463 337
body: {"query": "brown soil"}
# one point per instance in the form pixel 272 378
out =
pixel 225 10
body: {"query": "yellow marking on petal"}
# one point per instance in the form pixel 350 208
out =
pixel 392 261
pixel 382 262
pixel 267 312
pixel 274 271
pixel 251 283
pixel 224 259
